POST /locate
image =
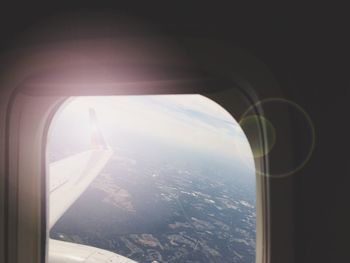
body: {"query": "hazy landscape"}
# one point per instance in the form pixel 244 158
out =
pixel 160 199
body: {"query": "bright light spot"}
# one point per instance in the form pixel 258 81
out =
pixel 188 120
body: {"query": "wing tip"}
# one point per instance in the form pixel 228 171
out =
pixel 97 139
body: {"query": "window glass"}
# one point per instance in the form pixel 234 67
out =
pixel 166 178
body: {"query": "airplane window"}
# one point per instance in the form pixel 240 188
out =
pixel 165 178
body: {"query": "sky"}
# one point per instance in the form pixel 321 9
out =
pixel 189 120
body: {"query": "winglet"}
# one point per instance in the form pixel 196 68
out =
pixel 97 140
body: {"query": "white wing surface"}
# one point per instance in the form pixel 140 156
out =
pixel 70 177
pixel 65 252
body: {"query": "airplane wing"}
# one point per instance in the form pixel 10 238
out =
pixel 69 178
pixel 65 252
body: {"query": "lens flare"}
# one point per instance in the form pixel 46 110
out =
pixel 283 133
pixel 249 125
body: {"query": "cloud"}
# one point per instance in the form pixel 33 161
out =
pixel 191 120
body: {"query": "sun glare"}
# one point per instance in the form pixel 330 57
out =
pixel 192 120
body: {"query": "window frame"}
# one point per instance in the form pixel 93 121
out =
pixel 30 109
